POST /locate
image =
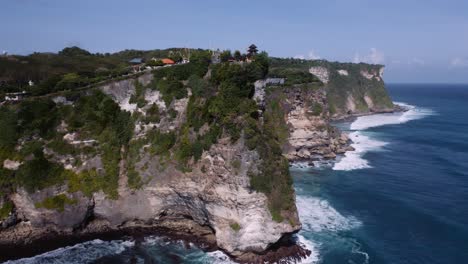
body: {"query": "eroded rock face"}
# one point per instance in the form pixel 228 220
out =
pixel 219 197
pixel 310 135
pixel 11 164
pixel 71 217
pixel 215 194
pixel 378 75
pixel 321 73
pixel 213 200
pixel 343 72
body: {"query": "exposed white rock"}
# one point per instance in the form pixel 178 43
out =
pixel 259 95
pixel 216 198
pixel 381 73
pixel 373 74
pixel 154 97
pixel 350 103
pixel 309 136
pixel 369 101
pixel 343 72
pixel 11 164
pixel 321 73
pixel 63 127
pixel 61 100
pixel 367 75
pixel 126 105
pixel 72 138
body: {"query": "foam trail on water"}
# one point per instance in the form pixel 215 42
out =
pixel 353 160
pixel 80 253
pixel 317 215
pixel 412 113
pixel 363 143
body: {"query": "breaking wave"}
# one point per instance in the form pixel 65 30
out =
pixel 317 215
pixel 320 219
pixel 362 140
pixel 80 253
pixel 362 143
pixel 314 253
pixel 412 113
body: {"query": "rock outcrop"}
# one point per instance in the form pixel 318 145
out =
pixel 214 200
pixel 311 137
pixel 322 73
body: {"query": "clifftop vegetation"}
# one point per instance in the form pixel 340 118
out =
pixel 221 105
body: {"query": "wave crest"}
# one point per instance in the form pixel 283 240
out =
pixel 80 253
pixel 318 215
pixel 363 143
pixel 412 113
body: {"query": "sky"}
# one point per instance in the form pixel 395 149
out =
pixel 420 41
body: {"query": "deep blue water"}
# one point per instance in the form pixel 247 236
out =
pixel 411 206
pixel 401 197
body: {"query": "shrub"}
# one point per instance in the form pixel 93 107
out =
pixel 139 96
pixel 235 226
pixel 57 202
pixel 317 109
pixel 5 210
pixel 39 173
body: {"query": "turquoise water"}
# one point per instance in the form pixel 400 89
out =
pixel 401 197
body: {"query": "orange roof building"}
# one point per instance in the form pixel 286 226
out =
pixel 167 61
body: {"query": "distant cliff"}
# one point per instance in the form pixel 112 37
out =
pixel 350 88
pixel 314 93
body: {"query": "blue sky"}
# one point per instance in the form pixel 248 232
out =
pixel 417 40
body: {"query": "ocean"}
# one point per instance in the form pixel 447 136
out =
pixel 400 197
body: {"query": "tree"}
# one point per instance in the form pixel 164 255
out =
pixel 225 55
pixel 237 55
pixel 154 63
pixel 69 81
pixel 252 50
pixel 74 51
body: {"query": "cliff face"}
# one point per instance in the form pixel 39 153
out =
pixel 203 155
pixel 210 196
pixel 339 90
pixel 354 88
pixel 350 88
pixel 307 116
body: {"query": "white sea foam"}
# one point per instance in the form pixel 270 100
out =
pixel 318 215
pixel 412 113
pixel 218 257
pixel 80 253
pixel 310 245
pixel 356 249
pixel 362 143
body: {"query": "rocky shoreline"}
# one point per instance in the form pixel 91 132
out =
pixel 30 241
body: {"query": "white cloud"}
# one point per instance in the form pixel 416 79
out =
pixel 375 57
pixel 313 55
pixel 459 62
pixel 416 61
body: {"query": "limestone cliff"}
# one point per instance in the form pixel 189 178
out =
pixel 350 88
pixel 209 196
pixel 201 154
pixel 339 90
